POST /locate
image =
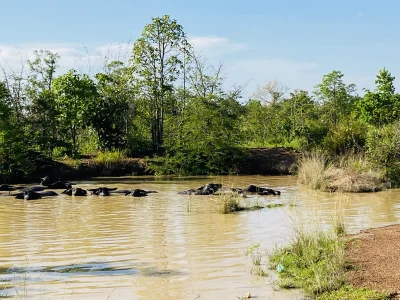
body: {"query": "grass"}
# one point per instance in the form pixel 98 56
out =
pixel 231 203
pixel 109 159
pixel 257 259
pixel 352 173
pixel 349 293
pixel 314 262
pixel 311 170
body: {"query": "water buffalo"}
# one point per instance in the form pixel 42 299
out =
pixel 10 188
pixel 253 189
pixel 55 183
pixel 139 193
pixel 101 191
pixel 75 192
pixel 31 195
pixel 207 189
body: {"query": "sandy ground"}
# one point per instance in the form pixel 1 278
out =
pixel 373 256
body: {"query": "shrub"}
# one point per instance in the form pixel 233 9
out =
pixel 383 144
pixel 347 136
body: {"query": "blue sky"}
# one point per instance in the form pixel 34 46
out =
pixel 295 42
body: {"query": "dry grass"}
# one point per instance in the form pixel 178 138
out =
pixel 350 174
pixel 311 170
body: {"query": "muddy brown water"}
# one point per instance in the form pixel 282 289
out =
pixel 164 246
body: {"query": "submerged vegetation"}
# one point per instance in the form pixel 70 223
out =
pixel 231 203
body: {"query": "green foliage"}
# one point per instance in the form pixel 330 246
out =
pixel 43 121
pixel 73 93
pixel 348 136
pixel 383 144
pixel 335 96
pixel 110 112
pixel 382 106
pixel 158 59
pixel 109 159
pixel 15 160
pixel 165 100
pixel 208 144
pixel 314 262
pixel 229 204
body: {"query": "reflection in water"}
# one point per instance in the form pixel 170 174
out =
pixel 164 246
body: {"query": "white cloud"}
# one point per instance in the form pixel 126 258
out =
pixel 255 72
pixel 72 55
pixel 215 46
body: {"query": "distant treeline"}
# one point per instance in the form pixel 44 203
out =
pixel 167 100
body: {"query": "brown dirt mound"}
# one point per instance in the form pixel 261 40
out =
pixel 269 161
pixel 374 259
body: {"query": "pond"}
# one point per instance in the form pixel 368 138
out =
pixel 164 246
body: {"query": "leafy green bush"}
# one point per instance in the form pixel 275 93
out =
pixel 383 144
pixel 347 136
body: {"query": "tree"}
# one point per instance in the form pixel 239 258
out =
pixel 335 96
pixel 109 114
pixel 381 106
pixel 43 112
pixel 157 63
pixel 73 93
pixel 270 93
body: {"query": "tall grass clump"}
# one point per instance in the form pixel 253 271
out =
pixel 349 174
pixel 110 160
pixel 311 170
pixel 232 202
pixel 314 262
pixel 229 203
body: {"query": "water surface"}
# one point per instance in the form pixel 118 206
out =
pixel 164 246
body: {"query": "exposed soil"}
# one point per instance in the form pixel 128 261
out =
pixel 268 161
pixel 374 259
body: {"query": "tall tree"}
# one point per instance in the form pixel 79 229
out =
pixel 270 93
pixel 74 93
pixel 335 96
pixel 110 113
pixel 43 111
pixel 157 63
pixel 381 106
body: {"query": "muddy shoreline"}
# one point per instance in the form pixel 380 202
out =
pixel 373 258
pixel 257 161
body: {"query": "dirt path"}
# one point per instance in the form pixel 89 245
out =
pixel 374 259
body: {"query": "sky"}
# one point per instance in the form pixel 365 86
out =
pixel 294 42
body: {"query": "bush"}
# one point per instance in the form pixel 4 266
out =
pixel 348 136
pixel 383 144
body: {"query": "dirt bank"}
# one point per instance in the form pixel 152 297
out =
pixel 373 256
pixel 271 161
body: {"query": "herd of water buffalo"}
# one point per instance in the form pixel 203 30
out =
pixel 42 190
